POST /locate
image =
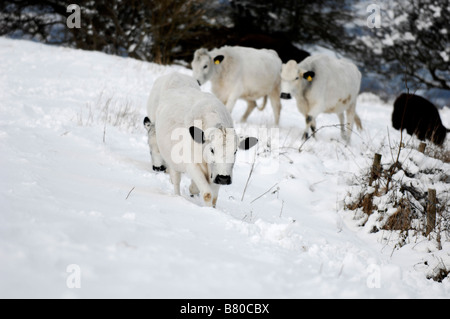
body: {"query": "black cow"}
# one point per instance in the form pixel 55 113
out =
pixel 418 116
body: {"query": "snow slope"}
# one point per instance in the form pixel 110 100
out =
pixel 76 188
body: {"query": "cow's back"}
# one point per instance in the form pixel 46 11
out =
pixel 333 78
pixel 164 83
pixel 413 110
pixel 257 71
pixel 257 64
pixel 418 116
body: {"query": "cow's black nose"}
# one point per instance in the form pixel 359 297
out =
pixel 161 168
pixel 222 180
pixel 285 96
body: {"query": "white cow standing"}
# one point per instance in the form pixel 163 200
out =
pixel 195 135
pixel 241 73
pixel 322 84
pixel 160 86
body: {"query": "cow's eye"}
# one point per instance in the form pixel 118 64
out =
pixel 297 78
pixel 205 66
pixel 212 151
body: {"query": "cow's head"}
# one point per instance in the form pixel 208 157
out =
pixel 220 146
pixel 157 160
pixel 203 65
pixel 293 78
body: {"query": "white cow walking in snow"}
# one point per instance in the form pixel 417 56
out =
pixel 162 84
pixel 323 84
pixel 195 135
pixel 241 73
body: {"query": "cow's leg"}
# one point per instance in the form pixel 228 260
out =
pixel 158 162
pixel 250 107
pixel 198 177
pixel 350 115
pixel 157 159
pixel 421 132
pixel 310 118
pixel 341 117
pixel 193 189
pixel 304 108
pixel 175 177
pixel 306 131
pixel 215 193
pixel 310 125
pixel 313 127
pixel 276 103
pixel 301 109
pixel 232 99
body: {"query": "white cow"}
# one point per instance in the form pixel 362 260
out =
pixel 195 135
pixel 241 73
pixel 162 84
pixel 322 84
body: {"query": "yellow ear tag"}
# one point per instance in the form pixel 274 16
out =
pixel 217 62
pixel 309 78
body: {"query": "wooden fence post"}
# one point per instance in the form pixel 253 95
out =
pixel 422 146
pixel 431 210
pixel 376 168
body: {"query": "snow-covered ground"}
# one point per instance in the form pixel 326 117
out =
pixel 83 215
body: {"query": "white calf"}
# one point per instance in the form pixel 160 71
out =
pixel 195 135
pixel 322 84
pixel 241 73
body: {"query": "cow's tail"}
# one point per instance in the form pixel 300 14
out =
pixel 263 106
pixel 358 122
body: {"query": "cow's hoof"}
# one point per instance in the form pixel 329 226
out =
pixel 193 189
pixel 207 197
pixel 161 168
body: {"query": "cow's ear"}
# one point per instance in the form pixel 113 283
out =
pixel 246 143
pixel 218 59
pixel 197 134
pixel 309 75
pixel 147 123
